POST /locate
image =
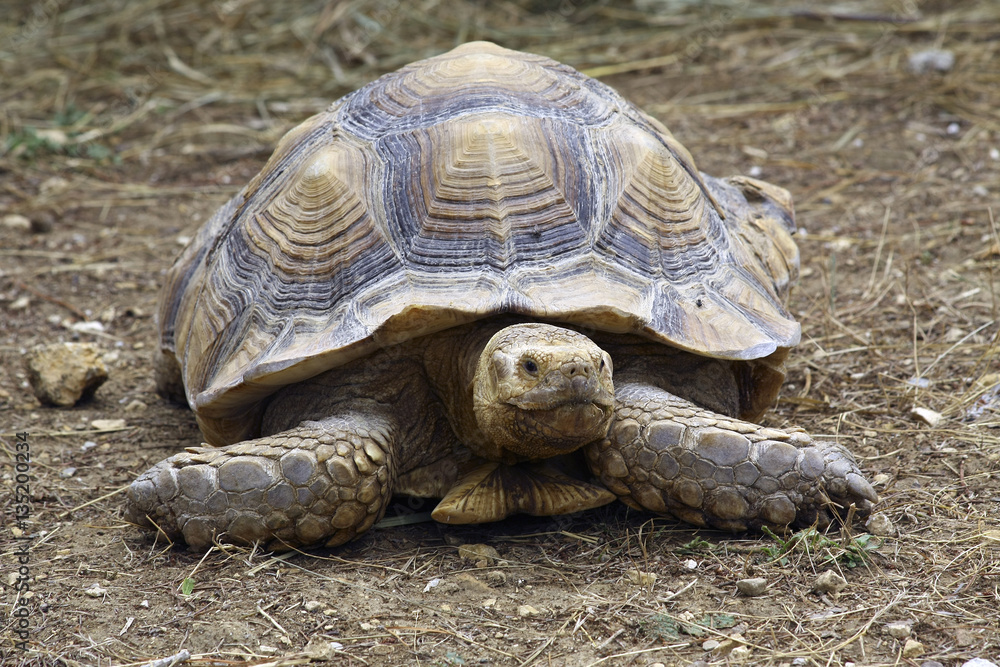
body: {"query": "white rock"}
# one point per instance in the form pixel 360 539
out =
pixel 63 373
pixel 640 578
pixel 53 185
pixel 881 479
pixel 829 582
pixel 880 525
pixel 979 662
pixel 898 629
pixel 95 591
pixel 87 327
pixel 312 605
pixel 16 223
pixel 740 654
pixel 927 416
pixel 912 648
pixel 20 303
pixel 108 424
pixel 928 60
pixel 752 587
pixel 527 610
pixel 53 136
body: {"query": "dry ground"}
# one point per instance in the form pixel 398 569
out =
pixel 123 125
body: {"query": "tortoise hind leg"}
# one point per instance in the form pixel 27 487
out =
pixel 669 456
pixel 321 480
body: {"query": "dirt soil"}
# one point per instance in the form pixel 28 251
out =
pixel 123 125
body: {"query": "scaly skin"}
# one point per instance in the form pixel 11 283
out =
pixel 666 455
pixel 321 481
pixel 339 441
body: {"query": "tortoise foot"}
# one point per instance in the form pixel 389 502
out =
pixel 666 455
pixel 318 481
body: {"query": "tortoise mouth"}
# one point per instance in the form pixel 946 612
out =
pixel 559 427
pixel 573 418
pixel 579 393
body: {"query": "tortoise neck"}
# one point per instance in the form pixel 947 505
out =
pixel 450 359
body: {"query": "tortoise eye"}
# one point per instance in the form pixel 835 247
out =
pixel 602 365
pixel 530 366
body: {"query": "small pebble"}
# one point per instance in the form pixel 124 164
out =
pixel 880 525
pixel 881 479
pixel 313 605
pixel 16 223
pixel 898 629
pixel 979 662
pixel 931 663
pixel 940 60
pixel 495 578
pixel 640 578
pixel 67 472
pixel 95 591
pixel 483 555
pixel 912 648
pixel 20 303
pixel 711 644
pixel 752 587
pixel 829 582
pixel 927 416
pixel 740 654
pixel 108 424
pixel 87 327
pixel 64 373
pixel 953 128
pixel 527 610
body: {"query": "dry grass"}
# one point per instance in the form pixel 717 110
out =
pixel 122 125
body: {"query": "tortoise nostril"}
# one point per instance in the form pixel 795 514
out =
pixel 575 368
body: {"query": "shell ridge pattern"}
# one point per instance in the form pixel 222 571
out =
pixel 476 183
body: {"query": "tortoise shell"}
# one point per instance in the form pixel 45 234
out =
pixel 479 182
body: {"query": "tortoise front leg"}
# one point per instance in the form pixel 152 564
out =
pixel 667 455
pixel 322 480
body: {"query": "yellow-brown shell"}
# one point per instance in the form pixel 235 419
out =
pixel 479 182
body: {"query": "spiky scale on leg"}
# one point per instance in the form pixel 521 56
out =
pixel 669 456
pixel 329 481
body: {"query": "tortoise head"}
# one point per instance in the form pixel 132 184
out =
pixel 541 390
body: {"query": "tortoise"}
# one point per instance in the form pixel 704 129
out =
pixel 424 292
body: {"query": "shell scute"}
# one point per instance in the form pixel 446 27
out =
pixel 480 182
